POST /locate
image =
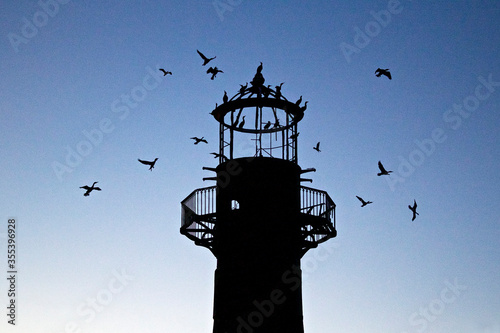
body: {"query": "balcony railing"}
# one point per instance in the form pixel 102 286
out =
pixel 198 216
pixel 319 223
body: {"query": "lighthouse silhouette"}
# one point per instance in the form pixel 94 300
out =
pixel 258 220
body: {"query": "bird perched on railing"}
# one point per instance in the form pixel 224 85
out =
pixel 198 140
pixel 205 59
pixel 259 69
pixel 414 210
pixel 385 72
pixel 303 108
pixel 151 164
pixel 363 203
pixel 267 125
pixel 278 90
pixel 243 88
pixel 242 123
pixel 294 136
pixel 213 71
pixel 90 189
pixel 382 170
pixel 266 91
pixel 225 98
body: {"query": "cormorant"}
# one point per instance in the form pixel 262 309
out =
pixel 242 123
pixel 90 189
pixel 165 72
pixel 414 210
pixel 151 164
pixel 317 147
pixel 385 72
pixel 213 71
pixel 198 140
pixel 382 170
pixel 363 203
pixel 205 59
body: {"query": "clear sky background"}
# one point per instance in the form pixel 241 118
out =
pixel 116 262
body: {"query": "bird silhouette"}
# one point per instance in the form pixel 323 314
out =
pixel 363 203
pixel 242 123
pixel 90 189
pixel 243 88
pixel 317 148
pixel 414 210
pixel 198 140
pixel 266 91
pixel 205 59
pixel 278 90
pixel 385 72
pixel 219 155
pixel 213 71
pixel 299 101
pixel 304 107
pixel 294 136
pixel 382 170
pixel 277 123
pixel 165 72
pixel 267 125
pixel 225 98
pixel 151 164
pixel 259 69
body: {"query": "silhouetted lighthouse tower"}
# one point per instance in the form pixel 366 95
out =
pixel 258 220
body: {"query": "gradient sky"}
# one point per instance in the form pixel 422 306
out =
pixel 435 124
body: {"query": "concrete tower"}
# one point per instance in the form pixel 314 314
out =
pixel 258 220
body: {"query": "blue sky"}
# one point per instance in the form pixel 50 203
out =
pixel 79 77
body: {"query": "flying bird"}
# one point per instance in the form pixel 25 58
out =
pixel 151 164
pixel 219 155
pixel 414 210
pixel 165 72
pixel 205 59
pixel 385 72
pixel 317 148
pixel 213 71
pixel 382 170
pixel 225 98
pixel 90 189
pixel 363 203
pixel 198 140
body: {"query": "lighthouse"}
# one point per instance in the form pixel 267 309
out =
pixel 258 219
